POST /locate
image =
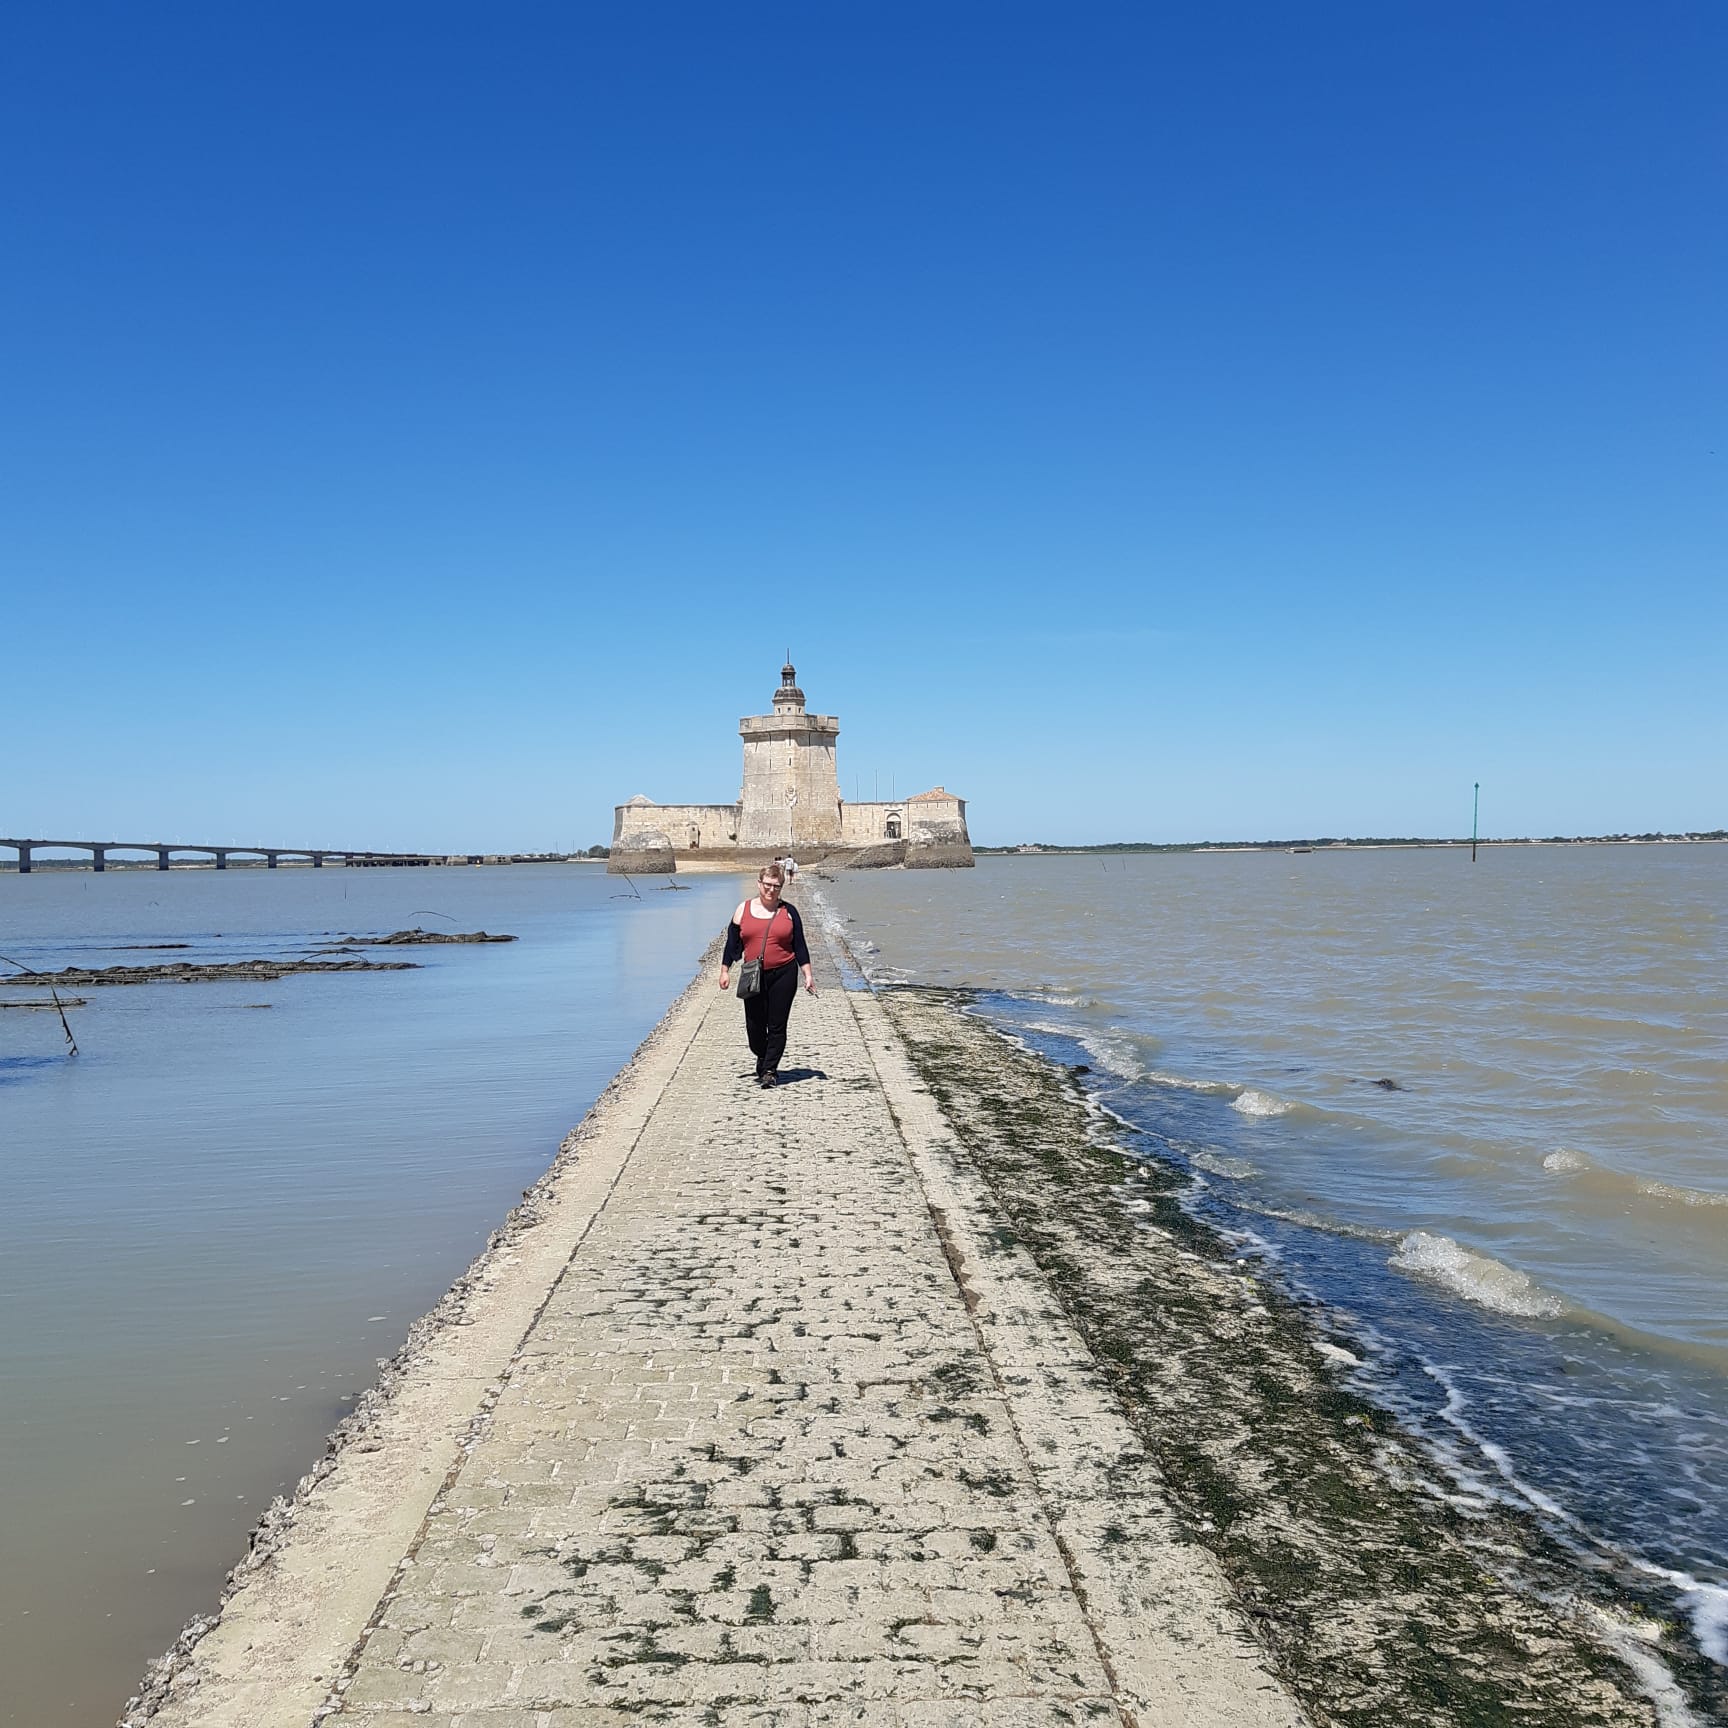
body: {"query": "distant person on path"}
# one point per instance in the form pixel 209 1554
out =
pixel 765 929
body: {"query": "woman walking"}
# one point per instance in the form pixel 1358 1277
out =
pixel 765 930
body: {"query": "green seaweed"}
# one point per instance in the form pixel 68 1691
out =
pixel 1374 1598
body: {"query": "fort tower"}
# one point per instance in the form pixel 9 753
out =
pixel 790 802
pixel 791 793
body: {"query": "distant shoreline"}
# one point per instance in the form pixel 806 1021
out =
pixel 1035 849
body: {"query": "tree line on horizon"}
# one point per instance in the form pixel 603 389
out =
pixel 1353 840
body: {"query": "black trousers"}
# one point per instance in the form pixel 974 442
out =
pixel 766 1014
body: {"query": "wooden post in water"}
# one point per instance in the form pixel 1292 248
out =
pixel 1475 806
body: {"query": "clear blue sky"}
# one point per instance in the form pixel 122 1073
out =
pixel 429 424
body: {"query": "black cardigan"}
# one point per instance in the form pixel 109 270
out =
pixel 735 938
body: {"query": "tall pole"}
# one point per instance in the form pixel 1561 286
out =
pixel 1475 807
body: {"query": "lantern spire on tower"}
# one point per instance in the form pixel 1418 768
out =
pixel 788 699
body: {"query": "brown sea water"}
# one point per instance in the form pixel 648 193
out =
pixel 1479 1114
pixel 218 1218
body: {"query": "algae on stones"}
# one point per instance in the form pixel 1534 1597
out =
pixel 1377 1597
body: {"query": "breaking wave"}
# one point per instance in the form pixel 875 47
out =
pixel 1116 1055
pixel 1619 1184
pixel 1676 1195
pixel 1309 1220
pixel 1250 1101
pixel 1181 1083
pixel 1476 1277
pixel 1222 1164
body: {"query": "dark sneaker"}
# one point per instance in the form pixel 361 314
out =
pixel 766 1081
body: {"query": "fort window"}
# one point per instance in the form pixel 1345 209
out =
pixel 893 828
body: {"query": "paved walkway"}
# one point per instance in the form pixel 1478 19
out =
pixel 791 1443
pixel 753 1463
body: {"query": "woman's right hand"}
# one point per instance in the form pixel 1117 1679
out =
pixel 723 977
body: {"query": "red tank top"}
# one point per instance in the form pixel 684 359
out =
pixel 779 929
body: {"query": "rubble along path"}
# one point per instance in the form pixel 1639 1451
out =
pixel 792 1438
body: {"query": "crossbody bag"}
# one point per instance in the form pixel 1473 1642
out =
pixel 750 973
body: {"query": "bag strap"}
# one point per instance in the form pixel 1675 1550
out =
pixel 767 931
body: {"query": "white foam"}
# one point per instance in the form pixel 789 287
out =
pixel 1684 1196
pixel 1222 1164
pixel 1113 1055
pixel 1635 1643
pixel 1520 1490
pixel 1706 1606
pixel 1501 1459
pixel 1568 1161
pixel 1334 1353
pixel 1250 1101
pixel 1314 1221
pixel 1476 1277
pixel 1047 1026
pixel 1181 1082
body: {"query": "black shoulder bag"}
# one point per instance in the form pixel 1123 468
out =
pixel 750 973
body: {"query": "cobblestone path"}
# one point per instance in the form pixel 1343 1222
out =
pixel 763 1456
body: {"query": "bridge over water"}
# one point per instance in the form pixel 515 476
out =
pixel 316 856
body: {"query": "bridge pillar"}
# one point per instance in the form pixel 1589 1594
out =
pixel 161 857
pixel 23 860
pixel 317 860
pixel 98 857
pixel 270 860
pixel 221 860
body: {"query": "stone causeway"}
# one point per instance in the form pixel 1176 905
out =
pixel 762 1426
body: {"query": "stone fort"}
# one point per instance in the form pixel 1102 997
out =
pixel 790 803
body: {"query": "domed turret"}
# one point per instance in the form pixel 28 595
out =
pixel 788 699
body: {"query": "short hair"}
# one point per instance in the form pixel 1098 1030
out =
pixel 777 870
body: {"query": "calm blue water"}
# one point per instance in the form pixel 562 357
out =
pixel 219 1217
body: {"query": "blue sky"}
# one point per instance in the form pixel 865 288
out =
pixel 430 424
